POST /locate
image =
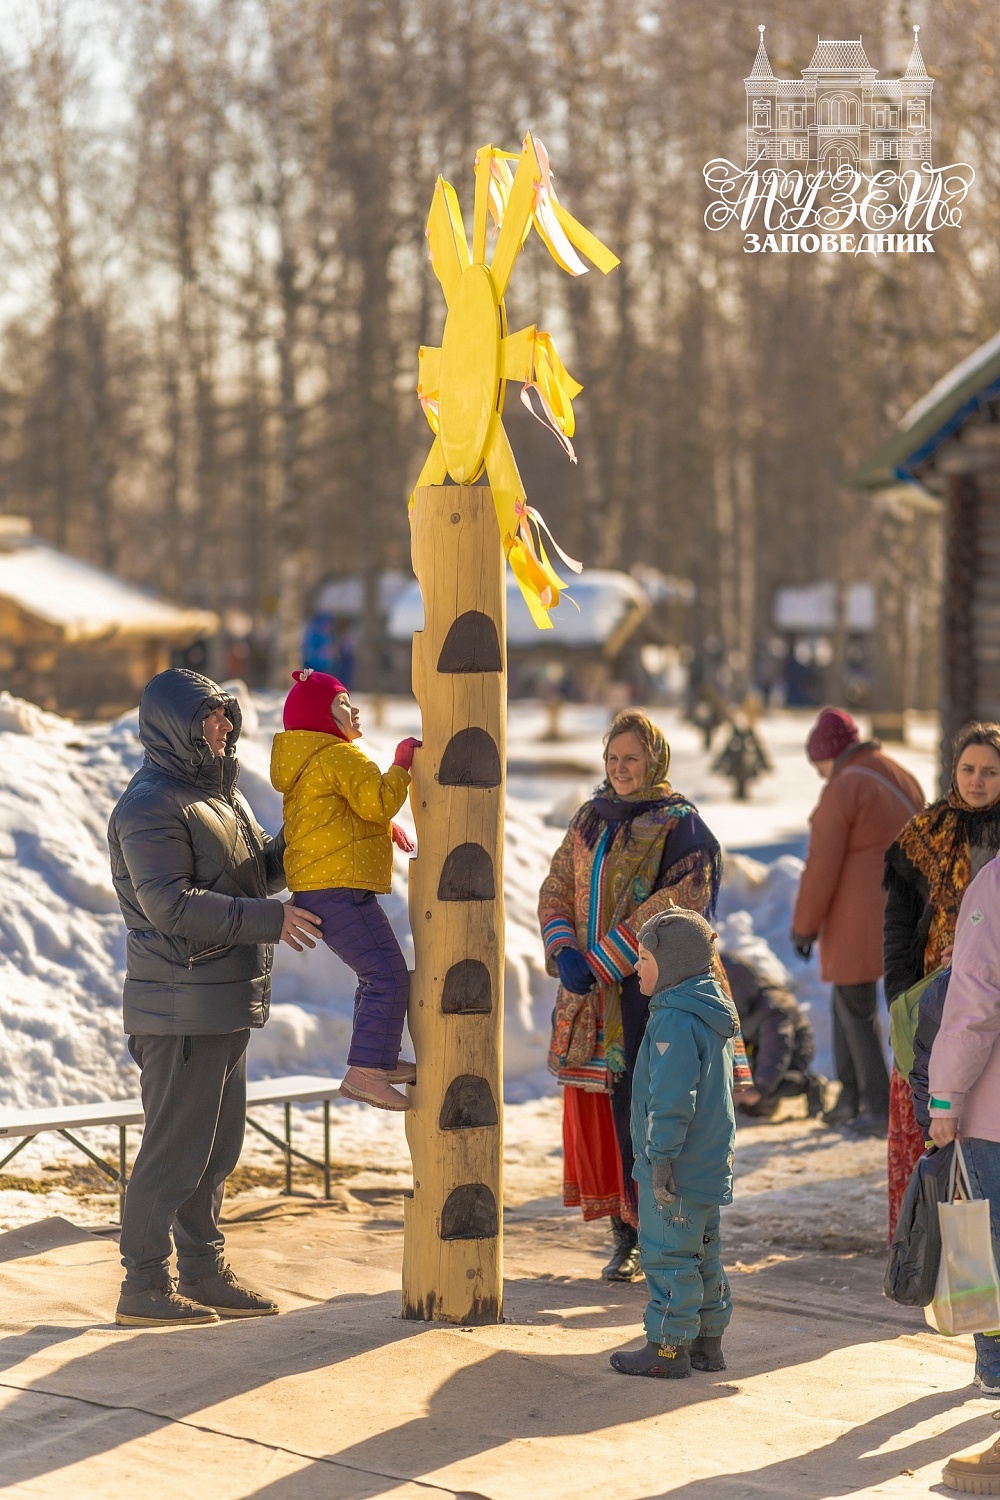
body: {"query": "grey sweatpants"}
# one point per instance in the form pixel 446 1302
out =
pixel 857 1048
pixel 194 1096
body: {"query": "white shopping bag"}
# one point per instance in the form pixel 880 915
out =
pixel 967 1294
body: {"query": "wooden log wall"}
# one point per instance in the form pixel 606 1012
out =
pixel 985 608
pixel 958 656
pixel 453 1244
pixel 970 654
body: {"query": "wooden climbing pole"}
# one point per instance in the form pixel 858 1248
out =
pixel 461 534
pixel 453 1245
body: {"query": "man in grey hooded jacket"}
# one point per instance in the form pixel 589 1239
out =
pixel 193 872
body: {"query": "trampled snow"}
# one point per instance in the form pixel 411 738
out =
pixel 62 939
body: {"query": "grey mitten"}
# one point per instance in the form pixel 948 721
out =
pixel 664 1187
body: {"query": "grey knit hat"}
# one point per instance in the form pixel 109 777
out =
pixel 682 943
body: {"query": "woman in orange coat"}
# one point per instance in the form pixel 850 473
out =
pixel 866 801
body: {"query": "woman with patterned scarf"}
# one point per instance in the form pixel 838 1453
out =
pixel 927 871
pixel 636 848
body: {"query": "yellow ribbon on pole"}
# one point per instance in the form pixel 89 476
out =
pixel 460 384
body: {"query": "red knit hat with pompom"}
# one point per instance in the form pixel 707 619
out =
pixel 310 700
pixel 832 732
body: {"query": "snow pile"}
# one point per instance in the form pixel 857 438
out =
pixel 755 913
pixel 62 940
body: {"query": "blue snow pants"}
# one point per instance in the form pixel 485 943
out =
pixel 680 1253
pixel 358 931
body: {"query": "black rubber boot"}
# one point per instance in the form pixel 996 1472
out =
pixel 815 1095
pixel 764 1109
pixel 842 1112
pixel 661 1361
pixel 624 1262
pixel 706 1353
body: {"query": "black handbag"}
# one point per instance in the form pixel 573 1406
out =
pixel 915 1252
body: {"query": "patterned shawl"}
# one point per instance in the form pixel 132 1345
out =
pixel 635 840
pixel 937 843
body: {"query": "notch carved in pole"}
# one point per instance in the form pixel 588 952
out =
pixel 471 758
pixel 468 1104
pixel 470 1213
pixel 471 645
pixel 467 989
pixel 467 875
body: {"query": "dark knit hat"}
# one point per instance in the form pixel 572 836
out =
pixel 682 943
pixel 832 732
pixel 310 700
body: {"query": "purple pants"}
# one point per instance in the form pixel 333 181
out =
pixel 357 929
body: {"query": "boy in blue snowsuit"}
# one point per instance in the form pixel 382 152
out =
pixel 683 1132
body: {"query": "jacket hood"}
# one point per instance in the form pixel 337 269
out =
pixel 292 751
pixel 173 708
pixel 703 997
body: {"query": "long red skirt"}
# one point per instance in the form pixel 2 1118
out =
pixel 592 1164
pixel 905 1145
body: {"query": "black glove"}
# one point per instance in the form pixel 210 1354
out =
pixel 802 945
pixel 574 971
pixel 664 1187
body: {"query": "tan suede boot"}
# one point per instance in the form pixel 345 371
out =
pixel 975 1473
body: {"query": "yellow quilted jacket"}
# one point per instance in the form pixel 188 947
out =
pixel 338 808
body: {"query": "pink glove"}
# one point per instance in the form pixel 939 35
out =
pixel 404 752
pixel 402 839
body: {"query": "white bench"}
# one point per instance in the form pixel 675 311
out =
pixel 121 1113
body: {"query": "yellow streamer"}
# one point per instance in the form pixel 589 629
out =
pixel 460 384
pixel 560 232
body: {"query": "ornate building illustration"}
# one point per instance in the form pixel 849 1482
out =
pixel 841 114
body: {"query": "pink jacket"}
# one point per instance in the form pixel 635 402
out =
pixel 965 1059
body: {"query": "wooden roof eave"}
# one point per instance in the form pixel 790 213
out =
pixel 902 457
pixel 190 627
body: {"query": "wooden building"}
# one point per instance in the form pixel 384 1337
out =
pixel 76 640
pixel 948 447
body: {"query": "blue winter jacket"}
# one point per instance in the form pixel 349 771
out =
pixel 682 1090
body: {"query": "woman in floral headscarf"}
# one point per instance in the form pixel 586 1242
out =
pixel 927 872
pixel 634 849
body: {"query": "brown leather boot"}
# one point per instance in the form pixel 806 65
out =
pixel 160 1307
pixel 223 1293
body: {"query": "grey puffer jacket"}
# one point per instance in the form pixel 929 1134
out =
pixel 192 870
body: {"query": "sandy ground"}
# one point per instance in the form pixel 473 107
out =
pixel 830 1390
pixel 799 1185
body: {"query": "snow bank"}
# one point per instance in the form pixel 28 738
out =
pixel 62 940
pixel 755 917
